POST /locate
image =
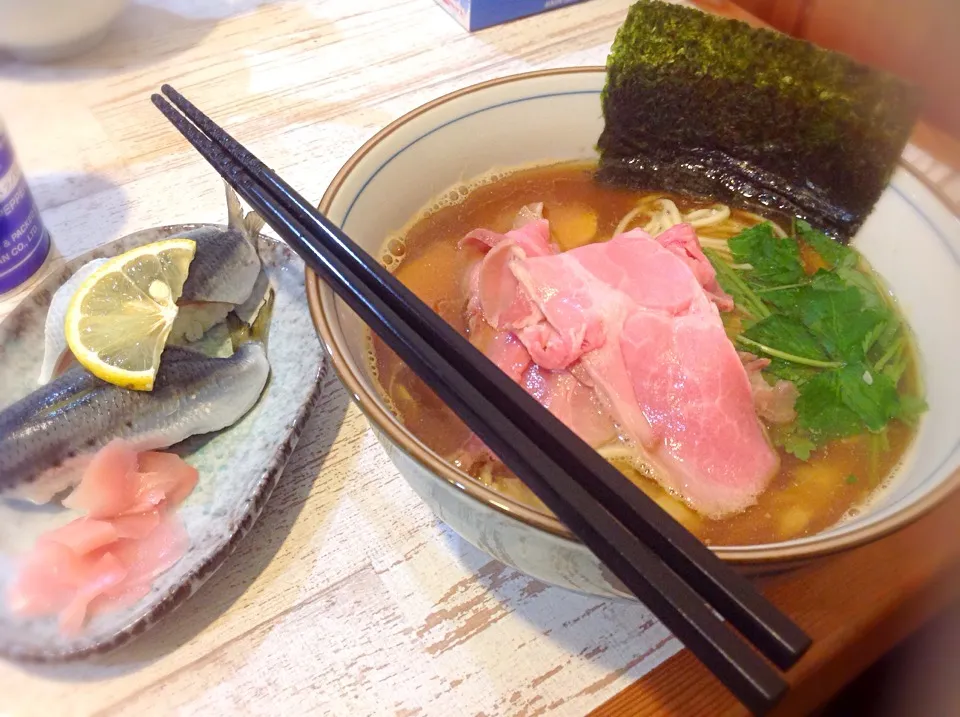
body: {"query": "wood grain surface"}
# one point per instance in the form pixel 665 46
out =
pixel 856 606
pixel 348 597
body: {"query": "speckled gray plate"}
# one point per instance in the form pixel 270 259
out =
pixel 238 467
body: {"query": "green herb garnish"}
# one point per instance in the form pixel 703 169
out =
pixel 794 442
pixel 834 334
pixel 745 299
pixel 775 262
pixel 787 338
pixel 833 253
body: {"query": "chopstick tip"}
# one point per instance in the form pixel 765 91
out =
pixel 174 96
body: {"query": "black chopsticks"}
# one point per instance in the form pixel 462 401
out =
pixel 653 555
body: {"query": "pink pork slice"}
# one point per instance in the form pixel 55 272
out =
pixel 637 318
pixel 681 240
pixel 572 402
pixel 496 307
pixel 695 394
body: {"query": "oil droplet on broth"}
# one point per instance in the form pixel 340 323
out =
pixel 397 247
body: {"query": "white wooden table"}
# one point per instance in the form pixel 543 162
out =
pixel 348 597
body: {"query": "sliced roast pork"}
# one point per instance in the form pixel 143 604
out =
pixel 496 307
pixel 637 317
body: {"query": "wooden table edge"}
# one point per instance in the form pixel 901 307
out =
pixel 854 606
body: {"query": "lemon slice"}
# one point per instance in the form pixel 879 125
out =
pixel 119 319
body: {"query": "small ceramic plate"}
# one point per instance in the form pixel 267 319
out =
pixel 238 467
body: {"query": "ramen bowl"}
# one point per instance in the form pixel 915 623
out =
pixel 912 240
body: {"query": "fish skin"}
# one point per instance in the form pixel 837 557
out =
pixel 225 273
pixel 226 265
pixel 248 310
pixel 54 338
pixel 45 434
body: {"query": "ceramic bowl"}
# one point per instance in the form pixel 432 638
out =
pixel 50 30
pixel 912 239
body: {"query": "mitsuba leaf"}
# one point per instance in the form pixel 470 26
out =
pixel 827 281
pixel 869 394
pixel 775 261
pixel 841 402
pixel 868 288
pixel 790 371
pixel 785 300
pixel 800 445
pixel 837 318
pixel 786 334
pixel 832 252
pixel 822 411
pixel 911 408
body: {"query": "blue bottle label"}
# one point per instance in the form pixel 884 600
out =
pixel 24 242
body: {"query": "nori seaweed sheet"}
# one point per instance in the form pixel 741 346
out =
pixel 710 107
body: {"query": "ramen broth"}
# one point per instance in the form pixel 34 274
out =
pixel 804 497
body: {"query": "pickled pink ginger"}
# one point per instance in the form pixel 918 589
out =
pixel 109 558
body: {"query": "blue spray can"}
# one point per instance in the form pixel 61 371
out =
pixel 24 242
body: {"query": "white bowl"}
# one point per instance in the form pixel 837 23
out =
pixel 912 239
pixel 47 30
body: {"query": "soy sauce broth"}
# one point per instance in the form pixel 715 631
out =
pixel 805 497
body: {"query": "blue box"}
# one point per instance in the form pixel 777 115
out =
pixel 478 14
